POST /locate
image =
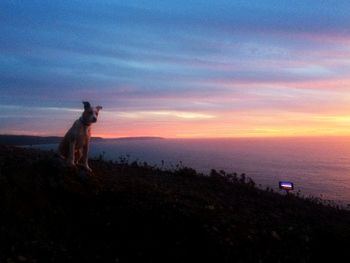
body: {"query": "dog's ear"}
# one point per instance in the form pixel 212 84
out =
pixel 86 105
pixel 98 108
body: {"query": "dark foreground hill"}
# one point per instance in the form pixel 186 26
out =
pixel 136 213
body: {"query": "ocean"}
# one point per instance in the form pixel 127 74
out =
pixel 318 167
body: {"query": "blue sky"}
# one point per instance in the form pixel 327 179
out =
pixel 176 68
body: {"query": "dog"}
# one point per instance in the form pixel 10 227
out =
pixel 75 144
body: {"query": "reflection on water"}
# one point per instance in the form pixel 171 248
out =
pixel 317 166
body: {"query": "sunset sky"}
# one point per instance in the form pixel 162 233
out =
pixel 184 68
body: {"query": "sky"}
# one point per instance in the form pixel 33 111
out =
pixel 176 69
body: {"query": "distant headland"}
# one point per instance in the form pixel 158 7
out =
pixel 7 139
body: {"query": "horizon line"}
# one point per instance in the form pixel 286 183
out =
pixel 200 138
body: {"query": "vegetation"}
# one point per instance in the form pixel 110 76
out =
pixel 133 212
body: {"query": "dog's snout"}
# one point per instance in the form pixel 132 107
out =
pixel 94 119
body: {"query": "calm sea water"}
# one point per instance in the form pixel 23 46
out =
pixel 317 166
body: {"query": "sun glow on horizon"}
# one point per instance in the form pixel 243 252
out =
pixel 240 127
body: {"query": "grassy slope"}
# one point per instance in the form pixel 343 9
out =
pixel 136 213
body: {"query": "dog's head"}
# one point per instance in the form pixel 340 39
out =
pixel 90 113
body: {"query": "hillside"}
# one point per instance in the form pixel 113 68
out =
pixel 131 212
pixel 32 140
pixel 27 139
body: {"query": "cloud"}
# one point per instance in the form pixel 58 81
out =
pixel 183 61
pixel 156 115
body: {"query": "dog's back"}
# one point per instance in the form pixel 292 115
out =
pixel 77 134
pixel 63 148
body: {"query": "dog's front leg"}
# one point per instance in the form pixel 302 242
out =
pixel 85 157
pixel 71 154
